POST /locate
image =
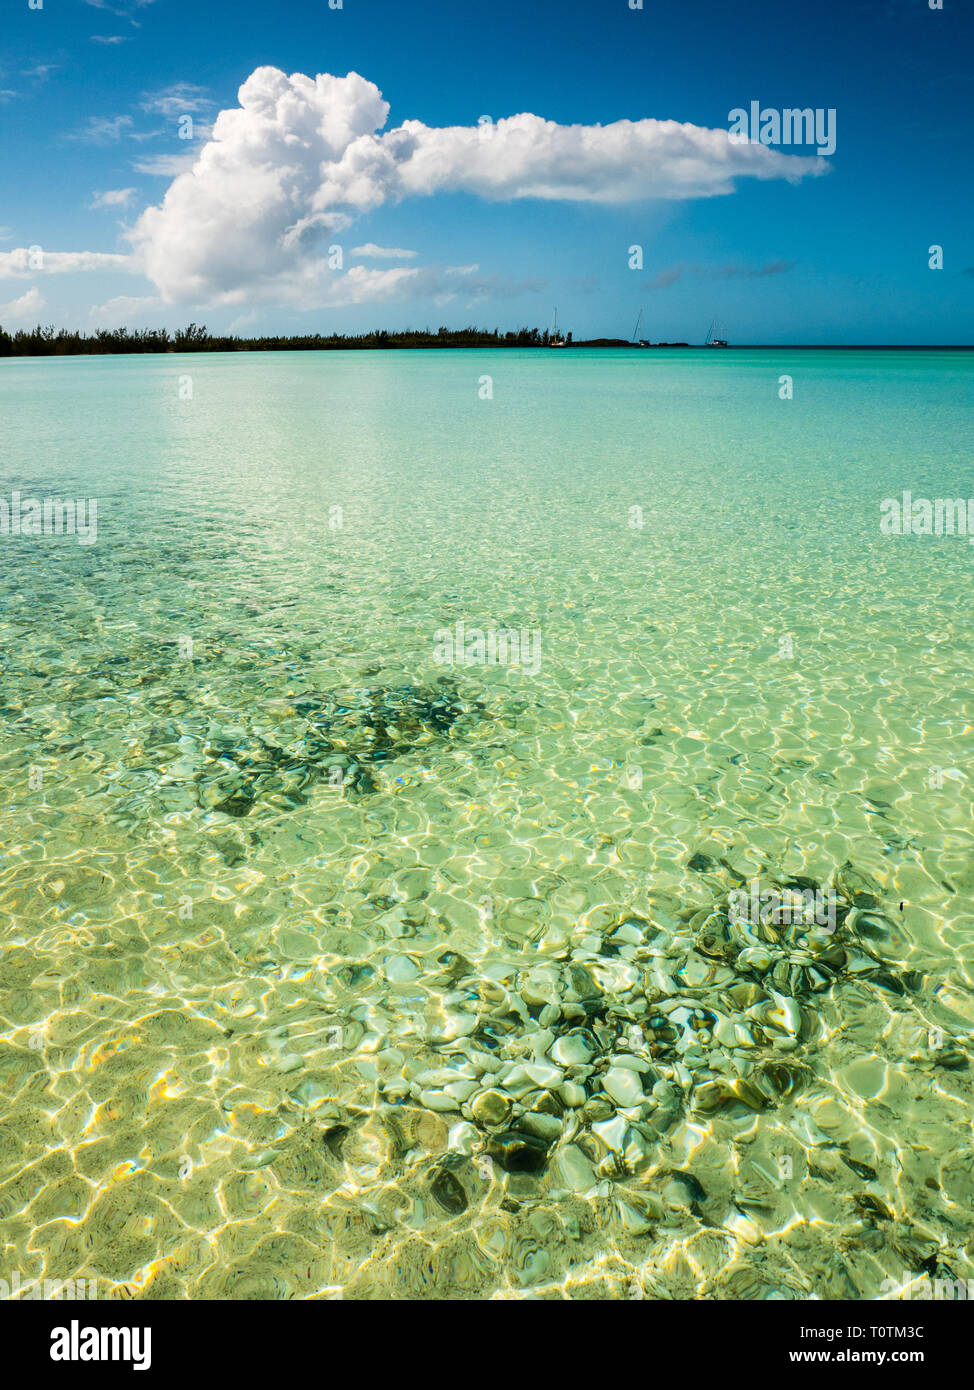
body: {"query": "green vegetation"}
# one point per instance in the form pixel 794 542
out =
pixel 48 342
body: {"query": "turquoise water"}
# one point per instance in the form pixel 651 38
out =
pixel 274 877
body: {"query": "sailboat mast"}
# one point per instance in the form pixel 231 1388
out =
pixel 715 338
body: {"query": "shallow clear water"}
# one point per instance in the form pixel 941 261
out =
pixel 224 965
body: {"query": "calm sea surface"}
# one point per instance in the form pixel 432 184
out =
pixel 332 967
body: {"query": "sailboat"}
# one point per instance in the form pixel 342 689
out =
pixel 715 337
pixel 553 339
pixel 636 340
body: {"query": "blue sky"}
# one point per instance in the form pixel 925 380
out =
pixel 91 95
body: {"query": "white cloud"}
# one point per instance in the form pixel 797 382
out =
pixel 24 308
pixel 23 261
pixel 123 10
pixel 115 311
pixel 102 130
pixel 243 321
pixel 165 166
pixel 528 157
pixel 175 101
pixel 362 286
pixel 109 38
pixel 383 253
pixel 112 198
pixel 299 159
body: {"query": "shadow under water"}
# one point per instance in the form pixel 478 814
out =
pixel 350 734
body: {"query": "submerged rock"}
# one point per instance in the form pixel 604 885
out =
pixel 349 735
pixel 574 1169
pixel 448 1192
pixel 590 1066
pixel 518 1153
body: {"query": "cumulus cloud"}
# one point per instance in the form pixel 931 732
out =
pixel 112 198
pixel 26 307
pixel 383 253
pixel 28 261
pixel 115 311
pixel 301 158
pixel 363 286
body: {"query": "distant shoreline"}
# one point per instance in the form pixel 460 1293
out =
pixel 42 341
pixel 92 348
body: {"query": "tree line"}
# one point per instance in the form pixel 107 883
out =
pixel 51 342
